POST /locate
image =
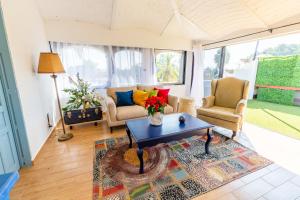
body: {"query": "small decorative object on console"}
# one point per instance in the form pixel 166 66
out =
pixel 155 106
pixel 181 119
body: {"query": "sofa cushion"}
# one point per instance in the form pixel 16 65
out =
pixel 163 93
pixel 168 109
pixel 112 91
pixel 131 112
pixel 146 88
pixel 221 113
pixel 152 93
pixel 125 98
pixel 140 97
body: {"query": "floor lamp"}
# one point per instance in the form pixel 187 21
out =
pixel 50 63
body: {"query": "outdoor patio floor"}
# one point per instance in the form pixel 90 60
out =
pixel 283 119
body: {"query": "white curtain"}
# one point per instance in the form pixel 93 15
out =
pixel 105 66
pixel 197 89
pixel 90 61
pixel 127 66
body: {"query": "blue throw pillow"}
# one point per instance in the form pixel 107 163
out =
pixel 125 98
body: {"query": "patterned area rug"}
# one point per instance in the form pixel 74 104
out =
pixel 176 170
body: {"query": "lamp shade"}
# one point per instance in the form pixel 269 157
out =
pixel 50 63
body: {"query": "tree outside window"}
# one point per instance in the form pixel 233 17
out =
pixel 169 66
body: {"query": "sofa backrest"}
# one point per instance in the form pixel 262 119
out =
pixel 146 88
pixel 229 91
pixel 112 91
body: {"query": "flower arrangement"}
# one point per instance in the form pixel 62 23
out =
pixel 81 95
pixel 155 104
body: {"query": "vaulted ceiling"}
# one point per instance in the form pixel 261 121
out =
pixel 192 19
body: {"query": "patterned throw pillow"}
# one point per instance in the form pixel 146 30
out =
pixel 139 97
pixel 163 93
pixel 124 98
pixel 153 93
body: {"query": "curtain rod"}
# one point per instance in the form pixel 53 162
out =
pixel 267 30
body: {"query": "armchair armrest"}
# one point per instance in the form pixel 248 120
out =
pixel 240 107
pixel 208 101
pixel 111 108
pixel 173 101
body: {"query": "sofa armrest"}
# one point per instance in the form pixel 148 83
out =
pixel 240 107
pixel 208 101
pixel 111 108
pixel 173 101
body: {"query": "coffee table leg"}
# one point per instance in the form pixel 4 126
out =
pixel 140 156
pixel 207 141
pixel 129 136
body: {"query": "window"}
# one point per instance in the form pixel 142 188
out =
pixel 239 61
pixel 212 59
pixel 280 46
pixel 170 66
pixel 127 66
pixel 90 61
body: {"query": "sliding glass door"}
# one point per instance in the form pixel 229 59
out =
pixel 212 61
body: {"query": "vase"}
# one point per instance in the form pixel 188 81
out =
pixel 156 119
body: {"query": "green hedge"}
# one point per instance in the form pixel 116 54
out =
pixel 278 71
pixel 276 96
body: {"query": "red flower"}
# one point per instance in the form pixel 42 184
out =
pixel 155 104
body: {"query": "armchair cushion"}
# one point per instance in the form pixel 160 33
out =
pixel 228 92
pixel 208 102
pixel 221 113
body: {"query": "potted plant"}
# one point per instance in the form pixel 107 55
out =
pixel 155 106
pixel 83 104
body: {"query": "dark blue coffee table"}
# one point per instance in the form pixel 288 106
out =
pixel 146 135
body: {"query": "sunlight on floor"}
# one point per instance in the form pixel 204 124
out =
pixel 281 149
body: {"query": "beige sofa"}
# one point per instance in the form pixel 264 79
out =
pixel 227 103
pixel 116 116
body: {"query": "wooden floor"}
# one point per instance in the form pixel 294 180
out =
pixel 64 171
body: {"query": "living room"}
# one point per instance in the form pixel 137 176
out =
pixel 115 99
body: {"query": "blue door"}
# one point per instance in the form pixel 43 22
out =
pixel 8 155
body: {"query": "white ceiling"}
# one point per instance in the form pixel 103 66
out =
pixel 193 19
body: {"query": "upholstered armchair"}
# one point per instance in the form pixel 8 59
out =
pixel 226 105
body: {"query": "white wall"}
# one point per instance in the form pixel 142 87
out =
pixel 88 33
pixel 27 38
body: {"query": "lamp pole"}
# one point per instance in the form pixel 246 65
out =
pixel 65 136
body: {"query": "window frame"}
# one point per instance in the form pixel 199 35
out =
pixel 183 69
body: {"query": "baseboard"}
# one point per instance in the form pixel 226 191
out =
pixel 50 133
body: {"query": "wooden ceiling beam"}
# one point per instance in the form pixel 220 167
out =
pixel 180 17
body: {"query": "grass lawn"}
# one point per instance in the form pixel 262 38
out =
pixel 280 118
